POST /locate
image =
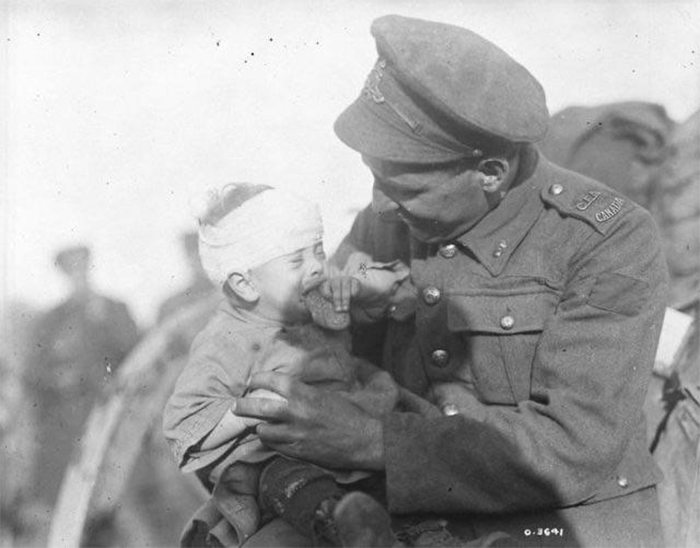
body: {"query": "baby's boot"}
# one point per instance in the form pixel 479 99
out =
pixel 356 520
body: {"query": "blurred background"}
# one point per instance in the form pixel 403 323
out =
pixel 119 114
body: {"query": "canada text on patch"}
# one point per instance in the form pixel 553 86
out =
pixel 610 211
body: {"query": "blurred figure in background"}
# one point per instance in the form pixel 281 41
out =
pixel 17 439
pixel 77 348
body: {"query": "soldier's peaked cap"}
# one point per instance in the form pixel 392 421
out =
pixel 436 86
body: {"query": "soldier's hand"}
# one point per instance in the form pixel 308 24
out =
pixel 314 425
pixel 252 422
pixel 341 290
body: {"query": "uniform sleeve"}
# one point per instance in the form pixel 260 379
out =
pixel 214 376
pixel 377 393
pixel 589 380
pixel 385 242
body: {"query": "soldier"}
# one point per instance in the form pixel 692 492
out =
pixel 541 288
pixel 79 344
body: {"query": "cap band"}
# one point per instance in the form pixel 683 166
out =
pixel 269 225
pixel 381 89
pixel 437 92
pixel 386 122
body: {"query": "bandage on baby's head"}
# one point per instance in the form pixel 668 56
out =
pixel 243 226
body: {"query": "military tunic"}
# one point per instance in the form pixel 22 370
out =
pixel 530 342
pixel 78 347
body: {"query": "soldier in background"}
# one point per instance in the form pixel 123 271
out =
pixel 17 439
pixel 77 348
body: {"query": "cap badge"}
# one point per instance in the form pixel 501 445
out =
pixel 587 199
pixel 371 88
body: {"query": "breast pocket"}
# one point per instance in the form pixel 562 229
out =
pixel 499 332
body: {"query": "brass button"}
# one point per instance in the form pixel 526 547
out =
pixel 502 245
pixel 556 189
pixel 448 251
pixel 431 295
pixel 449 410
pixel 622 481
pixel 507 322
pixel 440 357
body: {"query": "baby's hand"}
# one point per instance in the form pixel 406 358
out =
pixel 341 290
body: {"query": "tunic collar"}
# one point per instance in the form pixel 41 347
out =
pixel 497 235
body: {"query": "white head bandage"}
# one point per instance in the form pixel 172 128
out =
pixel 271 224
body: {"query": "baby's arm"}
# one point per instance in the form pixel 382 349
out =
pixel 231 426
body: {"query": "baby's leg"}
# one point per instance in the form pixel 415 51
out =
pixel 294 490
pixel 308 498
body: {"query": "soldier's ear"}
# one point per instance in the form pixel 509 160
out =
pixel 494 174
pixel 243 287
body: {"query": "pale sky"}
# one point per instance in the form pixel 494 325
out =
pixel 117 113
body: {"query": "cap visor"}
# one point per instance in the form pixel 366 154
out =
pixel 361 128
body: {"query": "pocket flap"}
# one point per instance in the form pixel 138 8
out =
pixel 501 314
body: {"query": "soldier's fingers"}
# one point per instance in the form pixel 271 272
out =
pixel 338 294
pixel 274 435
pixel 335 291
pixel 277 382
pixel 347 289
pixel 326 289
pixel 262 393
pixel 260 408
pixel 353 288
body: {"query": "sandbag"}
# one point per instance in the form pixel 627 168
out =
pixel 620 144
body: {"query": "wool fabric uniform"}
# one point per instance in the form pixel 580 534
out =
pixel 529 346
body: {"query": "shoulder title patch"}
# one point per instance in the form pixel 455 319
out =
pixel 587 199
pixel 610 211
